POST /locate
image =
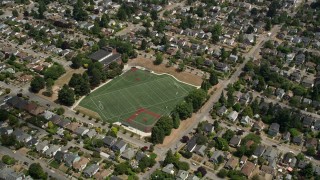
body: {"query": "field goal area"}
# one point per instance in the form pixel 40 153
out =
pixel 137 98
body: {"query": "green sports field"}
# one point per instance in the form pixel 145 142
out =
pixel 137 98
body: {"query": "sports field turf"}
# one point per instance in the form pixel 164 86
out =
pixel 137 98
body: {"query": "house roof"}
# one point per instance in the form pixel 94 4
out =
pixel 91 169
pixel 192 143
pixel 232 163
pixel 82 162
pixel 70 158
pixel 119 144
pixel 182 174
pixel 109 140
pixel 128 154
pixel 59 156
pixel 234 141
pixel 259 150
pixel 248 168
pixel 169 168
pixel 81 130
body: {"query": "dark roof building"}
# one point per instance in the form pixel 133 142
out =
pixel 105 56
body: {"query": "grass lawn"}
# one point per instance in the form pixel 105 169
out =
pixel 137 98
pixel 55 164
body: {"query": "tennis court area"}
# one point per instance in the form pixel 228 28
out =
pixel 137 98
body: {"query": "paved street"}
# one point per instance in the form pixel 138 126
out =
pixel 21 157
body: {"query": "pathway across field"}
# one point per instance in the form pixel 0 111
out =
pixel 137 98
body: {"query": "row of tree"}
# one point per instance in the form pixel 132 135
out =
pixel 182 111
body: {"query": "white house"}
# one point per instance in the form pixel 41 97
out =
pixel 233 115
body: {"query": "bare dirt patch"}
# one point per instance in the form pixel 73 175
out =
pixel 87 112
pixel 182 76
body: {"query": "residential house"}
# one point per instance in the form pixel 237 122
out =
pixel 81 164
pixel 222 67
pixel 128 154
pixel 33 142
pixel 208 127
pixel 71 158
pixel 191 145
pixel 140 155
pixel 222 111
pixel 274 129
pixel 312 142
pixel 271 155
pixel 232 163
pixel 21 136
pixel 200 150
pixel 300 59
pixel 92 133
pixel 316 125
pixel 169 169
pixel 120 146
pixel 259 151
pixel 248 168
pixel 233 116
pixel 243 160
pixel 286 136
pixel 307 82
pixel 246 120
pixel 235 141
pixel 289 160
pixel 53 149
pixel 280 93
pixel 233 58
pixel 258 125
pixel 91 170
pixel 245 98
pixel 73 126
pixel 6 130
pixel 215 156
pixel 308 121
pixel 182 175
pixel 59 156
pixel 82 131
pixel 42 146
pixel 109 141
pixel 297 140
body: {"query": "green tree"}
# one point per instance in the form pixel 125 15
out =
pixel 196 98
pixel 8 160
pixel 96 77
pixel 175 119
pixel 79 13
pixel 157 135
pixel 222 173
pixel 154 15
pixel 307 171
pixel 8 140
pixel 37 84
pixel 66 96
pixel 228 135
pixel 15 13
pixel 247 111
pixel 3 115
pixel 213 79
pixel 36 171
pixel 205 85
pixel 159 59
pixel 311 151
pixel 184 110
